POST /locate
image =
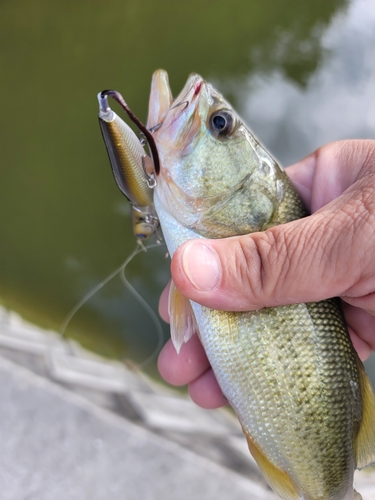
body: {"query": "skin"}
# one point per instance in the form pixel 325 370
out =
pixel 330 253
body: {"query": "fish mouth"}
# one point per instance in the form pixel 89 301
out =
pixel 174 122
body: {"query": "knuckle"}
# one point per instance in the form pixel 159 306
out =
pixel 279 261
pixel 262 260
pixel 357 217
pixel 245 268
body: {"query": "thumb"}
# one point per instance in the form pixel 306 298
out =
pixel 326 254
pixel 286 264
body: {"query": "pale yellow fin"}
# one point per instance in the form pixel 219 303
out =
pixel 365 444
pixel 357 496
pixel 278 479
pixel 182 319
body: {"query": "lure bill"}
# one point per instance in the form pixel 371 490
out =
pixel 291 374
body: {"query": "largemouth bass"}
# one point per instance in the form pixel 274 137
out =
pixel 291 374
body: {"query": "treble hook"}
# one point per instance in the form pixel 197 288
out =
pixel 155 127
pixel 180 104
pixel 158 125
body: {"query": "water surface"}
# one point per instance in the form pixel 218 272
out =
pixel 301 73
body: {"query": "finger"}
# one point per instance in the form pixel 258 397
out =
pixel 330 170
pixel 363 349
pixel 327 254
pixel 303 261
pixel 163 303
pixel 362 329
pixel 183 368
pixel 205 391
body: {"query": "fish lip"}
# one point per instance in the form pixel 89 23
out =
pixel 182 114
pixel 198 87
pixel 160 92
pixel 191 90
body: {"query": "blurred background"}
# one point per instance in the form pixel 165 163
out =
pixel 300 73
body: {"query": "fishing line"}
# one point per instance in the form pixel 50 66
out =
pixel 149 310
pixel 92 292
pixel 121 270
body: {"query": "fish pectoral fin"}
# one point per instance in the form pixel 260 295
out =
pixel 278 479
pixel 182 319
pixel 365 444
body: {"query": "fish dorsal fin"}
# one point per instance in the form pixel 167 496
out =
pixel 365 444
pixel 278 479
pixel 183 324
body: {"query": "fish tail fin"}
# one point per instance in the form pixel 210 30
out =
pixel 278 479
pixel 365 443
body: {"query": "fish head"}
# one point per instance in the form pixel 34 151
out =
pixel 215 178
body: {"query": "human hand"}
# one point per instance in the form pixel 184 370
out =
pixel 330 253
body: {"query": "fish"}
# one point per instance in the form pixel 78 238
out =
pixel 291 374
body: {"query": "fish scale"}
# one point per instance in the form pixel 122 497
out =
pixel 277 349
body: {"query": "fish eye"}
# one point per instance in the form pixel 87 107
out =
pixel 222 123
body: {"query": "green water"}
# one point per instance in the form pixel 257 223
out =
pixel 301 74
